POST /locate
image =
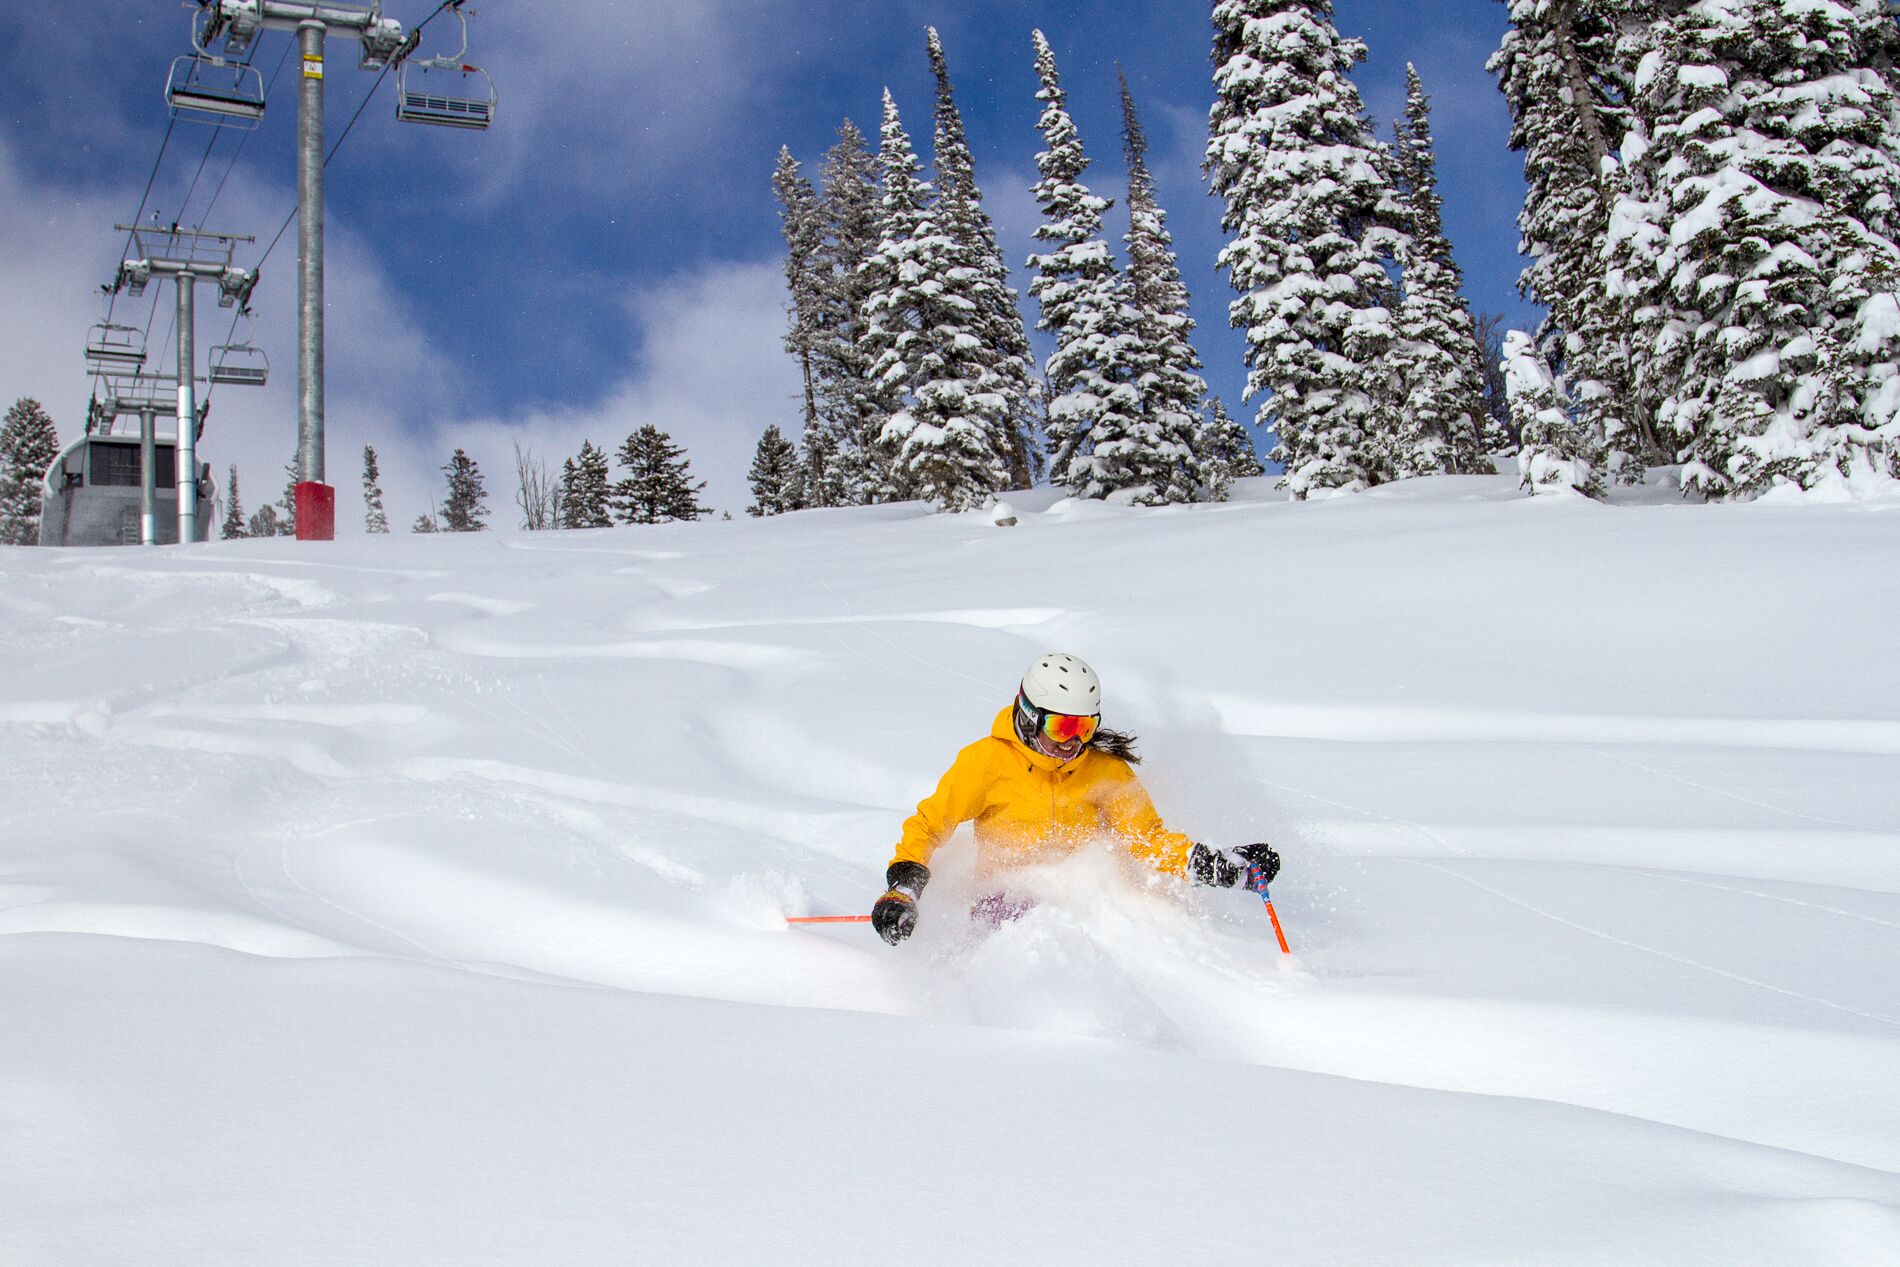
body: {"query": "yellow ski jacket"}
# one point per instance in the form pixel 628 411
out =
pixel 1030 807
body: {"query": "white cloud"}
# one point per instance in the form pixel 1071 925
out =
pixel 711 369
pixel 606 95
pixel 712 373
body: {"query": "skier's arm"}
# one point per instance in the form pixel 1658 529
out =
pixel 1134 819
pixel 1133 816
pixel 957 800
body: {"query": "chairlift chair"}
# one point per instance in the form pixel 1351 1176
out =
pixel 207 89
pixel 115 345
pixel 239 364
pixel 417 102
pixel 432 97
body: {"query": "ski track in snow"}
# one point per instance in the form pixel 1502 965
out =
pixel 616 760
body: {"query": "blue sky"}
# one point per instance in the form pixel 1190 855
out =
pixel 607 255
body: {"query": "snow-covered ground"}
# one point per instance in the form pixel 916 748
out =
pixel 420 899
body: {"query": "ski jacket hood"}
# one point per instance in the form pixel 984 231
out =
pixel 1028 806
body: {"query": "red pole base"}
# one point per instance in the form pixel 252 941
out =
pixel 316 512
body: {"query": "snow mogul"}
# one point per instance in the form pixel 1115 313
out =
pixel 1049 779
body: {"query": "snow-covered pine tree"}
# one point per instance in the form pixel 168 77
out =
pixel 1757 238
pixel 999 326
pixel 585 489
pixel 776 479
pixel 467 505
pixel 803 228
pixel 570 480
pixel 1497 433
pixel 264 522
pixel 1315 222
pixel 658 486
pixel 375 518
pixel 28 444
pixel 1565 74
pixel 850 469
pixel 1099 441
pixel 1560 452
pixel 286 515
pixel 233 525
pixel 1172 390
pixel 926 323
pixel 1230 454
pixel 1437 353
pixel 425 522
pixel 892 339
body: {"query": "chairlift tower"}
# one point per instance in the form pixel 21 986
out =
pixel 383 43
pixel 187 256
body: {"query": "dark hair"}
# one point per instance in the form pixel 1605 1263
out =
pixel 1115 743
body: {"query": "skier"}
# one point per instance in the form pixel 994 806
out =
pixel 1049 779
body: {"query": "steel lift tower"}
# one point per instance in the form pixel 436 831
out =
pixel 218 87
pixel 187 256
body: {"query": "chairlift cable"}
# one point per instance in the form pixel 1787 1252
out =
pixel 192 188
pixel 125 252
pixel 341 137
pixel 345 134
pixel 232 165
pixel 199 174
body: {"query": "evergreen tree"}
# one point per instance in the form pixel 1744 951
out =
pixel 1099 442
pixel 926 324
pixel 1437 354
pixel 467 504
pixel 233 526
pixel 893 338
pixel 1004 343
pixel 803 228
pixel 1230 454
pixel 850 467
pixel 1755 237
pixel 374 518
pixel 28 444
pixel 1560 452
pixel 776 478
pixel 264 522
pixel 570 480
pixel 586 489
pixel 1315 223
pixel 1169 380
pixel 286 515
pixel 1497 433
pixel 425 522
pixel 1566 76
pixel 659 484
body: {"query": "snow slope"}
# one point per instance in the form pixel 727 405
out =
pixel 420 899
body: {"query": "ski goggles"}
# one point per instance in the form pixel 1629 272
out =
pixel 1059 728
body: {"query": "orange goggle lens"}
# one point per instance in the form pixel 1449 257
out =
pixel 1063 727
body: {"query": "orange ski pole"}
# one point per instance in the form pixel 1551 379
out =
pixel 1278 933
pixel 827 919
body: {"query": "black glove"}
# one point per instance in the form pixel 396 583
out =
pixel 895 915
pixel 1224 868
pixel 1262 865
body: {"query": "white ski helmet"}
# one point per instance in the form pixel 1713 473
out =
pixel 1062 683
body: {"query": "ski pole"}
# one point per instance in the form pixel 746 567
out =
pixel 827 919
pixel 1275 917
